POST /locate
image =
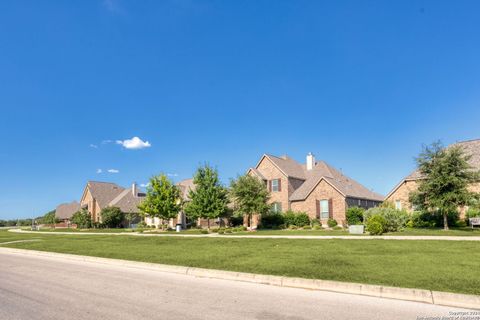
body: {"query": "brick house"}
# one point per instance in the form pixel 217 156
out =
pixel 316 188
pixel 99 195
pixel 399 195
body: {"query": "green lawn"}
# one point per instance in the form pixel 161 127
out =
pixel 437 265
pixel 407 232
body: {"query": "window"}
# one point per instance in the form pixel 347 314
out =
pixel 398 205
pixel 275 185
pixel 324 209
pixel 277 207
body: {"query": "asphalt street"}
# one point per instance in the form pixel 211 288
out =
pixel 47 288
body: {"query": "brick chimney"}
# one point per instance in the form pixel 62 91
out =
pixel 310 161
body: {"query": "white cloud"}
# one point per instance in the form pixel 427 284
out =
pixel 99 170
pixel 134 143
pixel 144 185
pixel 113 171
pixel 106 141
pixel 93 146
pixel 172 174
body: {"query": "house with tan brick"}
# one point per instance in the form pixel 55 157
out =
pixel 99 195
pixel 400 194
pixel 315 187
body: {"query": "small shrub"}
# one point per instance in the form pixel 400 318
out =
pixel 293 227
pixel 236 220
pixel 214 230
pixel 332 222
pixel 282 226
pixel 461 224
pixel 141 224
pixel 221 231
pixel 355 215
pixel 376 224
pixel 307 228
pixel 302 219
pixel 203 231
pixel 289 218
pixel 337 228
pixel 315 222
pixel 242 228
pixel 317 227
pixel 272 220
pixel 409 224
pixel 228 230
pixel 395 220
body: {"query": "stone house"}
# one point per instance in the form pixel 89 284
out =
pixel 315 187
pixel 99 195
pixel 399 195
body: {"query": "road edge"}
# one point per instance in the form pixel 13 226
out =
pixel 408 294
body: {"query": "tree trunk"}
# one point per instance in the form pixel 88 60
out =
pixel 208 224
pixel 250 221
pixel 445 222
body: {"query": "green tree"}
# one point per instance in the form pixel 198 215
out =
pixel 209 199
pixel 446 175
pixel 131 217
pixel 49 218
pixel 82 219
pixel 162 199
pixel 112 217
pixel 250 196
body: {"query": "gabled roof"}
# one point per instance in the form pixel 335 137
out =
pixel 66 210
pixel 470 147
pixel 185 186
pixel 104 192
pixel 343 184
pixel 257 173
pixel 287 165
pixel 127 201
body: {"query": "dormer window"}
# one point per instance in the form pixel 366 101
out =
pixel 275 185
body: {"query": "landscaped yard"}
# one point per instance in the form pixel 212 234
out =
pixel 436 265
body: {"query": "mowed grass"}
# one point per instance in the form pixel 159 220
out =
pixel 464 232
pixel 435 265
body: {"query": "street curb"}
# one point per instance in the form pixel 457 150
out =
pixel 417 295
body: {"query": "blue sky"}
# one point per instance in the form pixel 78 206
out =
pixel 361 84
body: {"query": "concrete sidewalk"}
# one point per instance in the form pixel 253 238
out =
pixel 215 235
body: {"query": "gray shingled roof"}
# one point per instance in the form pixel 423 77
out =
pixel 321 170
pixel 185 186
pixel 104 192
pixel 470 147
pixel 66 210
pixel 127 201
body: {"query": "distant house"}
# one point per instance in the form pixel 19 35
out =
pixel 65 211
pixel 99 195
pixel 400 194
pixel 184 186
pixel 315 187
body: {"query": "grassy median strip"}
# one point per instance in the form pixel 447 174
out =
pixel 436 265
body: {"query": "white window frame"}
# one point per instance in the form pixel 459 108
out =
pixel 398 204
pixel 277 207
pixel 322 212
pixel 275 185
